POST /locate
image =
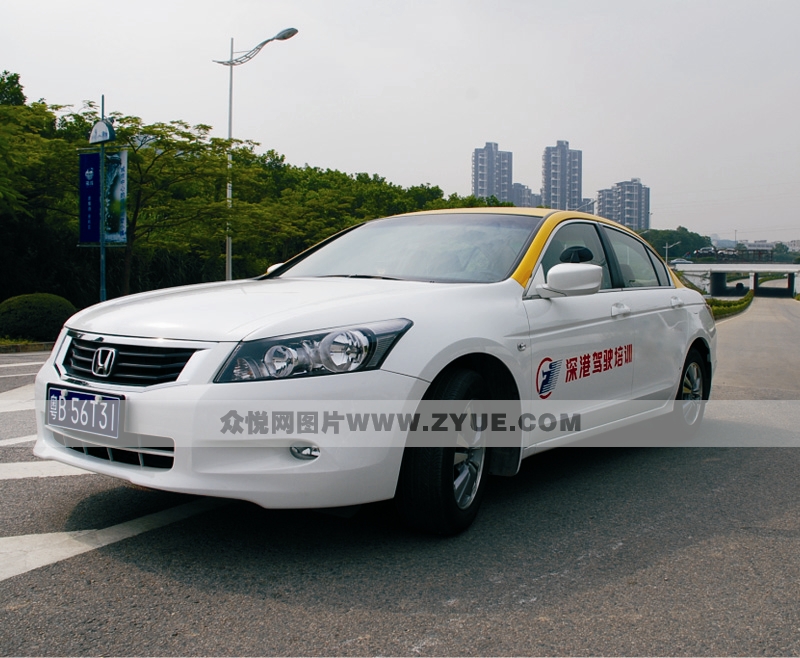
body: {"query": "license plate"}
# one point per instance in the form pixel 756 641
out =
pixel 95 413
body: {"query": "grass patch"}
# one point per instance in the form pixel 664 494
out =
pixel 4 340
pixel 762 278
pixel 688 283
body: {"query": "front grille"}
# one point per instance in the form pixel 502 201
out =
pixel 134 365
pixel 161 457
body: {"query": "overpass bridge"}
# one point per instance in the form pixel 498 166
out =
pixel 717 273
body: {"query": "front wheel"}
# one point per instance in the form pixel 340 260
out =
pixel 441 488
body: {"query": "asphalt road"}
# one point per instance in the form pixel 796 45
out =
pixel 613 551
pixel 19 369
pixel 759 352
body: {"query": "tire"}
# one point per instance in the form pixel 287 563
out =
pixel 440 489
pixel 693 390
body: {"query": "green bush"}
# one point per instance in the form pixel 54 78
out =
pixel 722 303
pixel 38 317
pixel 723 307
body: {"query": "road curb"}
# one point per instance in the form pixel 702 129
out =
pixel 26 347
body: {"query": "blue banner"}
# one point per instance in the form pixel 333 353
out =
pixel 89 197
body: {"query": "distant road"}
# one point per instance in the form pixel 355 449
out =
pixel 774 283
pixel 19 369
pixel 759 352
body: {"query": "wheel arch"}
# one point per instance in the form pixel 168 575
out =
pixel 703 347
pixel 505 460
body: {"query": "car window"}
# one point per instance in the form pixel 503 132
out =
pixel 635 265
pixel 566 247
pixel 661 270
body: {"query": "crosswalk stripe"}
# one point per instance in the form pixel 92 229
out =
pixel 18 399
pixel 38 469
pixel 21 364
pixel 19 439
pixel 27 552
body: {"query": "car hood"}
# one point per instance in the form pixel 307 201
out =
pixel 232 311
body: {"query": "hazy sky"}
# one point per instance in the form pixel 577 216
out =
pixel 698 98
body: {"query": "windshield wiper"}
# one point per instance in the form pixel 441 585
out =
pixel 363 276
pixel 373 276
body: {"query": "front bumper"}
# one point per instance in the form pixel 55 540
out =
pixel 175 437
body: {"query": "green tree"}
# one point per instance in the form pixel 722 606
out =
pixel 11 90
pixel 177 210
pixel 469 201
pixel 38 219
pixel 176 186
pixel 687 241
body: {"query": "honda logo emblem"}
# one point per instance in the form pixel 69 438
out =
pixel 103 361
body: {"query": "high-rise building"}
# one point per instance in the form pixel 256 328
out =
pixel 562 177
pixel 627 203
pixel 492 172
pixel 523 197
pixel 605 203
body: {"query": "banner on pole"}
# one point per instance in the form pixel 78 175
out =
pixel 89 197
pixel 116 197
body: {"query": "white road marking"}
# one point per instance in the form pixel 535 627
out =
pixel 21 554
pixel 40 469
pixel 18 399
pixel 19 439
pixel 24 363
pixel 19 374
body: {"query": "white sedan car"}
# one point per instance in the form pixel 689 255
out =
pixel 406 358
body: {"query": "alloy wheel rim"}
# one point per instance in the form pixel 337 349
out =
pixel 692 393
pixel 468 461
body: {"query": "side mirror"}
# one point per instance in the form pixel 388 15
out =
pixel 571 280
pixel 274 267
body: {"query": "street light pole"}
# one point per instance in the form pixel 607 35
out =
pixel 229 188
pixel 103 210
pixel 102 132
pixel 667 247
pixel 288 33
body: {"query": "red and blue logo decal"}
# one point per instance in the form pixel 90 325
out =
pixel 547 377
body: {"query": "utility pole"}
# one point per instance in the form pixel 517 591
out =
pixel 102 132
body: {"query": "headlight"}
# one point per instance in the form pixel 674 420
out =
pixel 346 349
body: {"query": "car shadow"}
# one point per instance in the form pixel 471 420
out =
pixel 573 518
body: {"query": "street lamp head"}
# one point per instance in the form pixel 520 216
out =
pixel 288 33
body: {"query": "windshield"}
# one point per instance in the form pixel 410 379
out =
pixel 476 248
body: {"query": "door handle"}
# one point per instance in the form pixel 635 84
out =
pixel 619 309
pixel 675 302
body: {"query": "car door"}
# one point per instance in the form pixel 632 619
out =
pixel 582 346
pixel 659 317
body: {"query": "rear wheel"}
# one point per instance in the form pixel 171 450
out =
pixel 693 390
pixel 441 488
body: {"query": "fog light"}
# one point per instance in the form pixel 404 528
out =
pixel 304 452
